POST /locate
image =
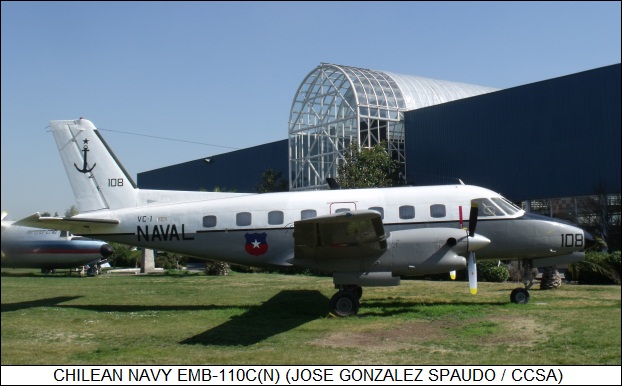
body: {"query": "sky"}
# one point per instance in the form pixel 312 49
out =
pixel 171 82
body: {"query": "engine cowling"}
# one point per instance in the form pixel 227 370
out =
pixel 417 252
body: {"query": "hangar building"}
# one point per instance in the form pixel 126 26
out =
pixel 553 146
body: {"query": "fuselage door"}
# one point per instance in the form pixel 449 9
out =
pixel 338 207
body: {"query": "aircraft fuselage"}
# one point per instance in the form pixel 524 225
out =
pixel 257 229
pixel 25 247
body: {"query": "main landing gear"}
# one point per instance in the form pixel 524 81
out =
pixel 521 295
pixel 346 301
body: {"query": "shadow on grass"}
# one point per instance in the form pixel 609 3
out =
pixel 51 302
pixel 386 308
pixel 283 312
pixel 54 302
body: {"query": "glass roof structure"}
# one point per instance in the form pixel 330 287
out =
pixel 337 105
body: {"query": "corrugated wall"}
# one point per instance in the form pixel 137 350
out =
pixel 239 170
pixel 554 138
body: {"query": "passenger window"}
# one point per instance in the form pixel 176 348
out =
pixel 243 219
pixel 308 213
pixel 209 221
pixel 341 210
pixel 275 217
pixel 438 210
pixel 378 209
pixel 407 212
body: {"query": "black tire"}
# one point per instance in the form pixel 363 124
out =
pixel 343 304
pixel 356 290
pixel 519 296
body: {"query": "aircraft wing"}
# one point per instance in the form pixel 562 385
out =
pixel 74 225
pixel 340 235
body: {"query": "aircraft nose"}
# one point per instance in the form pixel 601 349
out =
pixel 106 250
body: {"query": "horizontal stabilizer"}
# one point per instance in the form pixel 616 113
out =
pixel 72 224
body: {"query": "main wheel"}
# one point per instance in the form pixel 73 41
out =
pixel 344 303
pixel 355 290
pixel 519 296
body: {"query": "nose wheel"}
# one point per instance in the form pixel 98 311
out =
pixel 519 296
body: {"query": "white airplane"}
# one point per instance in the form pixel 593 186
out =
pixel 26 247
pixel 362 237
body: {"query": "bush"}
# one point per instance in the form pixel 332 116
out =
pixel 216 268
pixel 597 268
pixel 124 255
pixel 490 270
pixel 487 270
pixel 167 260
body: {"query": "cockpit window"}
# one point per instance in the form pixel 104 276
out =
pixel 487 208
pixel 506 205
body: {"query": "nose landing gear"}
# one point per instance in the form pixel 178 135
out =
pixel 521 295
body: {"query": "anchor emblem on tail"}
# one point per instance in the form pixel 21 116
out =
pixel 84 169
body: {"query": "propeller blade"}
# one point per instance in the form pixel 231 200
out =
pixel 473 219
pixel 472 266
pixel 452 275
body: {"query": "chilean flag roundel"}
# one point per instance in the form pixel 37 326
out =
pixel 256 244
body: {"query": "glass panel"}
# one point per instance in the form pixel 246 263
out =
pixel 243 219
pixel 438 210
pixel 486 208
pixel 308 213
pixel 407 212
pixel 209 221
pixel 507 206
pixel 275 217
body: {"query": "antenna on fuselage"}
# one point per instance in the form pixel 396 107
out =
pixel 332 183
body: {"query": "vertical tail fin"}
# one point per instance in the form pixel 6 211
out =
pixel 97 178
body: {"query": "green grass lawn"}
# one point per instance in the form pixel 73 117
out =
pixel 267 319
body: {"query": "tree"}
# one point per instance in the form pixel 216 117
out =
pixel 71 211
pixel 272 181
pixel 124 255
pixel 367 167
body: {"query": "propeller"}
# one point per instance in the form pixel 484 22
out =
pixel 472 264
pixel 452 274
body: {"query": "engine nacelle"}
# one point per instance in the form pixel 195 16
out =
pixel 417 252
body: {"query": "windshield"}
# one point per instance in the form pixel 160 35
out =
pixel 495 207
pixel 506 205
